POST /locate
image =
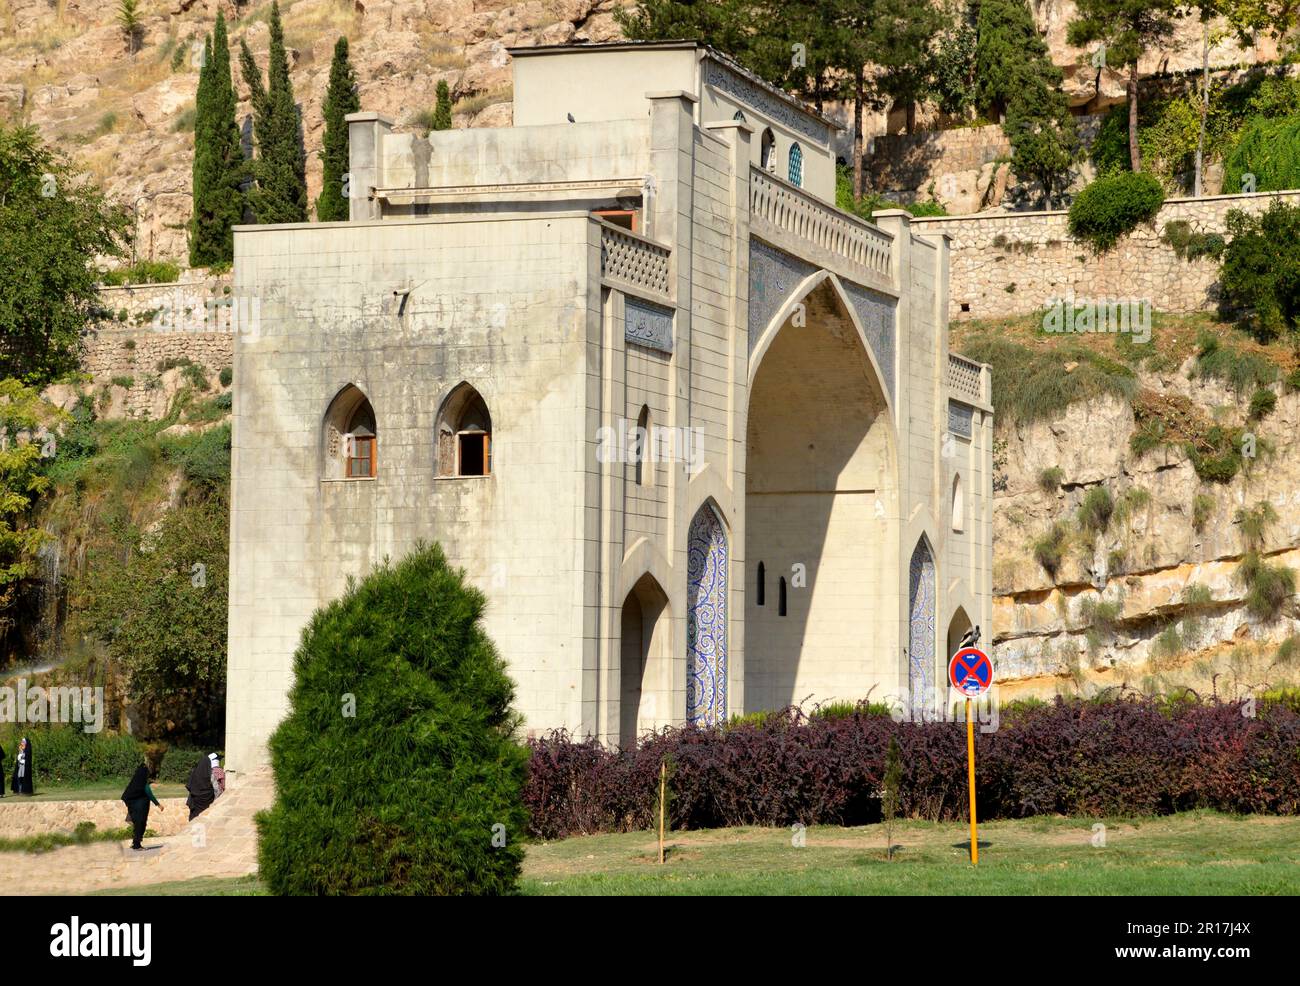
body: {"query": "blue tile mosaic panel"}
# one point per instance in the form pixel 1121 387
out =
pixel 706 619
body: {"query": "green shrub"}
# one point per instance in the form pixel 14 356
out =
pixel 67 755
pixel 178 761
pixel 1262 403
pixel 1096 510
pixel 1189 244
pixel 143 272
pixel 1050 548
pixel 1268 150
pixel 406 790
pixel 124 382
pixel 1243 369
pixel 227 375
pixel 1202 510
pixel 1049 480
pixel 203 457
pixel 1260 274
pixel 1221 459
pixel 1113 206
pixel 1268 587
pixel 1028 384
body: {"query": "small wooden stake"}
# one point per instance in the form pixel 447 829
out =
pixel 663 779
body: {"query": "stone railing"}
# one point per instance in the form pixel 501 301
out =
pixel 965 379
pixel 787 209
pixel 634 262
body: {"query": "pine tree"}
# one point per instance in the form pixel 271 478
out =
pixel 442 111
pixel 340 100
pixel 1007 48
pixel 218 159
pixel 281 167
pixel 1125 31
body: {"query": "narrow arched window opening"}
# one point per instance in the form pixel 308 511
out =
pixel 643 462
pixel 361 443
pixel 351 441
pixel 767 152
pixel 958 505
pixel 464 434
pixel 780 600
pixel 761 595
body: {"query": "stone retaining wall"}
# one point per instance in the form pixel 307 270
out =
pixel 1016 263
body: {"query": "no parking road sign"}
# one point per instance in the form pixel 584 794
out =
pixel 970 671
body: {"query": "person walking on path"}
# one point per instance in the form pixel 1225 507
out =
pixel 138 795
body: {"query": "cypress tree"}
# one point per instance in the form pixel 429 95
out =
pixel 281 167
pixel 414 783
pixel 218 159
pixel 442 111
pixel 340 100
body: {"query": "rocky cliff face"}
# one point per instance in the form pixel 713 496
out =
pixel 1156 598
pixel 65 66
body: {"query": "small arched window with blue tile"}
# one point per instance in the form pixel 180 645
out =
pixel 796 165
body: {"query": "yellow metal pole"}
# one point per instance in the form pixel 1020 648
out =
pixel 970 769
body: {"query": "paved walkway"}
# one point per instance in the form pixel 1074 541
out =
pixel 222 842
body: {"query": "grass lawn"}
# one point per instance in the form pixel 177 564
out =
pixel 239 886
pixel 1197 852
pixel 110 790
pixel 1192 853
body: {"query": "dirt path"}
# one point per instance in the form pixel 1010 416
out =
pixel 221 842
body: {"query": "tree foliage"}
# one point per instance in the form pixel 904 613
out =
pixel 24 442
pixel 281 165
pixel 159 601
pixel 397 770
pixel 53 225
pixel 340 99
pixel 442 109
pixel 1125 30
pixel 1112 206
pixel 219 168
pixel 1260 276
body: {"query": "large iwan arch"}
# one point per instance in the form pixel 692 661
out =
pixel 820 509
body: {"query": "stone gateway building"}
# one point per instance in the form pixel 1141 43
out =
pixel 695 432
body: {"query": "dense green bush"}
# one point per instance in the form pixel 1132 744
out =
pixel 1260 275
pixel 397 770
pixel 144 272
pixel 1114 205
pixel 68 755
pixel 1268 150
pixel 178 761
pixel 1191 244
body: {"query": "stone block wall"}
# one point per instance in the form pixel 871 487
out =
pixel 1016 263
pixel 149 325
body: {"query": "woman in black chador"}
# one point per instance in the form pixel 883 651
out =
pixel 200 786
pixel 138 795
pixel 24 768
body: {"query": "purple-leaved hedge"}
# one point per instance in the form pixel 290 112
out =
pixel 1091 758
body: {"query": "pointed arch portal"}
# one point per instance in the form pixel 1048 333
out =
pixel 820 507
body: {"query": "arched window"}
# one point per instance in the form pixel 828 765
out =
pixel 796 165
pixel 643 462
pixel 761 597
pixel 780 598
pixel 767 152
pixel 958 505
pixel 464 434
pixel 351 441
